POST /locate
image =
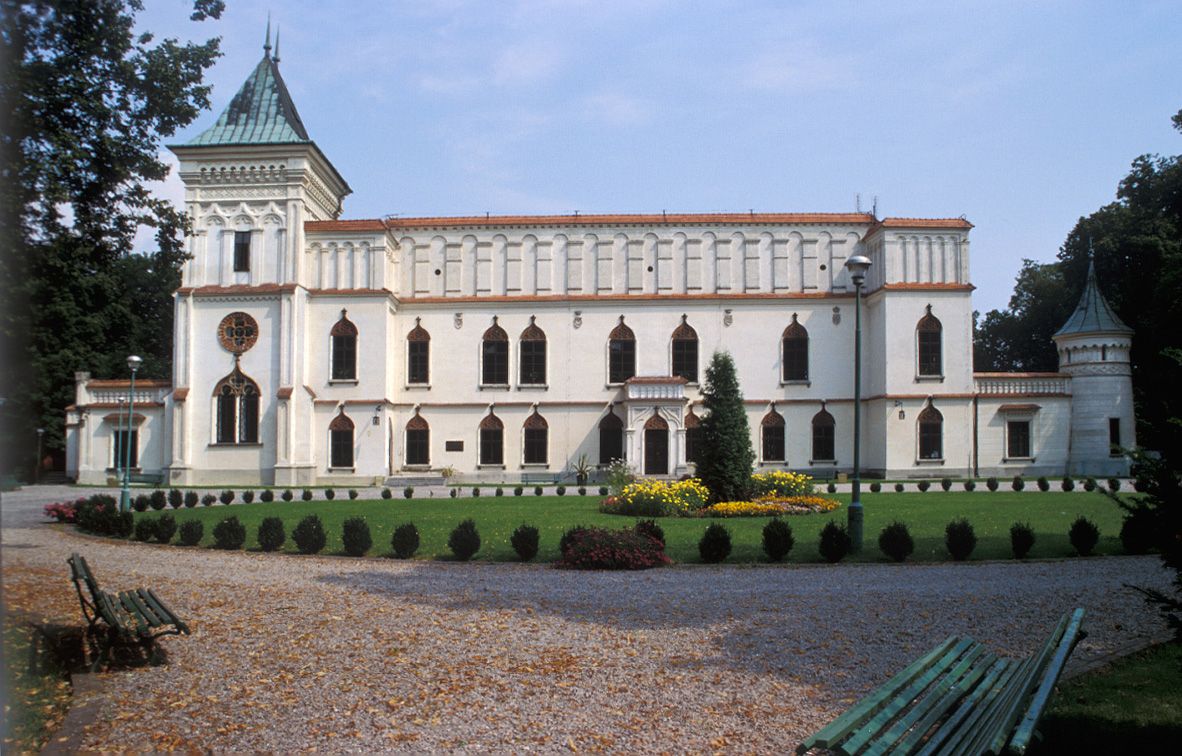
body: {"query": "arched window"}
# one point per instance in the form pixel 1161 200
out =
pixel 494 356
pixel 532 355
pixel 693 436
pixel 418 353
pixel 418 441
pixel 772 433
pixel 621 353
pixel 611 438
pixel 796 352
pixel 823 436
pixel 929 335
pixel 931 433
pixel 537 437
pixel 344 350
pixel 685 352
pixel 340 441
pixel 492 440
pixel 237 399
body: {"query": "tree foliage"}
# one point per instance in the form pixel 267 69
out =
pixel 86 101
pixel 1137 244
pixel 726 456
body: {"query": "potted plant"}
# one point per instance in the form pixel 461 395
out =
pixel 582 470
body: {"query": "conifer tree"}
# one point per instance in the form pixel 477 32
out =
pixel 726 457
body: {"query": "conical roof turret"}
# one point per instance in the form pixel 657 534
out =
pixel 261 113
pixel 1093 314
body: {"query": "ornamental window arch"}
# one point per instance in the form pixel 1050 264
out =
pixel 494 356
pixel 531 352
pixel 771 432
pixel 929 340
pixel 930 430
pixel 340 441
pixel 684 351
pixel 236 409
pixel 418 355
pixel 621 353
pixel 343 349
pixel 611 438
pixel 418 440
pixel 535 438
pixel 794 352
pixel 492 440
pixel 824 436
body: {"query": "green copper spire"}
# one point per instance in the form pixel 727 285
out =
pixel 1093 314
pixel 261 113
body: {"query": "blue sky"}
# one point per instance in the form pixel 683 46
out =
pixel 1020 116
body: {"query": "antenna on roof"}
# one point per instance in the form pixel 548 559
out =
pixel 874 208
pixel 275 57
pixel 267 42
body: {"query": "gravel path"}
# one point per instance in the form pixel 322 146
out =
pixel 327 653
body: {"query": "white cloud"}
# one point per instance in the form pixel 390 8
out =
pixel 617 109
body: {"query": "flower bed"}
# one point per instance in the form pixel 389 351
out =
pixel 657 498
pixel 780 484
pixel 66 511
pixel 770 506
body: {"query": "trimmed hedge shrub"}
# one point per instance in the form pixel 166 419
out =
pixel 208 500
pixel 353 494
pixel 834 543
pixel 960 539
pixel 464 541
pixel 970 485
pixel 271 534
pixel 229 534
pixel 408 492
pixel 1084 535
pixel 898 488
pixel 453 493
pixel 831 487
pixel 309 535
pixel 1018 484
pixel 946 483
pixel 537 490
pixel 158 500
pixel 1043 484
pixel 715 545
pixel 355 536
pixel 1113 484
pixel 191 499
pixel 777 539
pixel 582 490
pixel 287 495
pixel 267 495
pixel 330 493
pixel 603 490
pixel 561 490
pixel 248 496
pixel 518 490
pixel 307 494
pixel 140 503
pixel 192 531
pixel 525 542
pixel 651 529
pixel 100 515
pixel 165 528
pixel 875 487
pixel 896 542
pixel 226 497
pixel 1068 484
pixel 923 485
pixel 405 541
pixel 1021 539
pixel 176 499
pixel 476 492
pixel 387 493
pixel 586 548
pixel 145 529
pixel 1089 484
pixel 991 484
pixel 500 491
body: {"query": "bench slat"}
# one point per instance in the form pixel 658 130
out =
pixel 162 611
pixel 1025 730
pixel 136 607
pixel 904 697
pixel 1001 671
pixel 938 699
pixel 849 721
pixel 964 687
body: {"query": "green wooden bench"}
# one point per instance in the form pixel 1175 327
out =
pixel 136 617
pixel 957 699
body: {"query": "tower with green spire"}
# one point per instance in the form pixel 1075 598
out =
pixel 1094 349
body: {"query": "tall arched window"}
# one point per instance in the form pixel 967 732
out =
pixel 418 441
pixel 929 334
pixel 796 352
pixel 931 433
pixel 772 433
pixel 237 411
pixel 494 356
pixel 532 355
pixel 823 437
pixel 537 440
pixel 492 440
pixel 611 438
pixel 685 352
pixel 621 353
pixel 340 441
pixel 344 350
pixel 693 436
pixel 418 354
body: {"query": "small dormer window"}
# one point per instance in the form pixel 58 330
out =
pixel 241 251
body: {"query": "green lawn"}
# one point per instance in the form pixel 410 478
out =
pixel 1049 514
pixel 1132 706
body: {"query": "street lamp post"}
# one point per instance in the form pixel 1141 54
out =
pixel 133 363
pixel 37 469
pixel 857 265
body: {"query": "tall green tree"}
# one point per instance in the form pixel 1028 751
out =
pixel 726 456
pixel 86 101
pixel 1137 246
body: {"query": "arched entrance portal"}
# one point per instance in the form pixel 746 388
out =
pixel 656 446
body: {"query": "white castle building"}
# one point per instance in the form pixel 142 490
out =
pixel 311 350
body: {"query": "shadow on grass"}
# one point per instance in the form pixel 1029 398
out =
pixel 1081 734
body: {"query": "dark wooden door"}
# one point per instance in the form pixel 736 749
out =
pixel 656 451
